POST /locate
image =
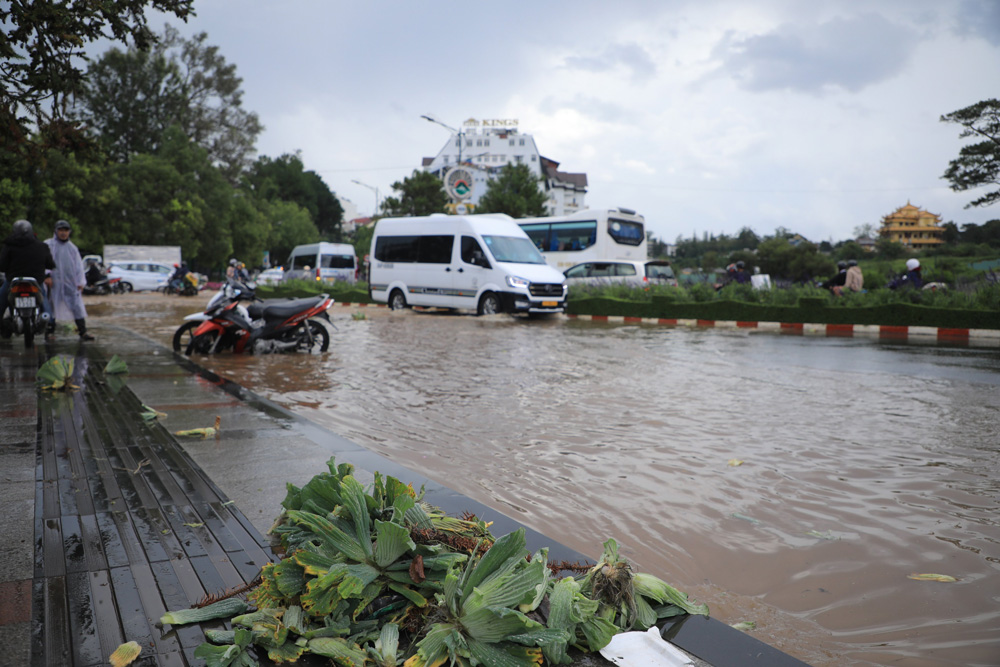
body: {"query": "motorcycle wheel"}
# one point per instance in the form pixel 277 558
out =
pixel 320 338
pixel 203 344
pixel 184 336
pixel 29 337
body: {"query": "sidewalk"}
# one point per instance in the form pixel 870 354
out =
pixel 111 521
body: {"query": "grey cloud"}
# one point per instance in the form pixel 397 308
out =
pixel 980 18
pixel 851 53
pixel 631 57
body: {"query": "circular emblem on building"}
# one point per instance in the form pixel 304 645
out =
pixel 458 183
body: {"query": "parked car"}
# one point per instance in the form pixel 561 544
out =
pixel 140 276
pixel 271 276
pixel 617 271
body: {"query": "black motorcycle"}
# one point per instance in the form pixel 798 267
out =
pixel 25 315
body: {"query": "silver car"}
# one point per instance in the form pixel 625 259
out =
pixel 621 271
pixel 140 276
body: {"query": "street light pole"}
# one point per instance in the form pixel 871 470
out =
pixel 460 133
pixel 373 189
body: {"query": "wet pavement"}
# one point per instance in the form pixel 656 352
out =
pixel 110 520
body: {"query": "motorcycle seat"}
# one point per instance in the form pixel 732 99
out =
pixel 282 309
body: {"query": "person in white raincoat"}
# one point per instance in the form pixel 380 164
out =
pixel 68 280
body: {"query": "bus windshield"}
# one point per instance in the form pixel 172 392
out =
pixel 513 249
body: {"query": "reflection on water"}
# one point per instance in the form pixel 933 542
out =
pixel 864 462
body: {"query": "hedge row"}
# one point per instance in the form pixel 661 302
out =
pixel 812 311
pixel 808 310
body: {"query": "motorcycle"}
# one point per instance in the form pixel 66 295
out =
pixel 259 327
pixel 24 314
pixel 186 286
pixel 103 285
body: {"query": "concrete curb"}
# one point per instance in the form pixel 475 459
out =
pixel 988 337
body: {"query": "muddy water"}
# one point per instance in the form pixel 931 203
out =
pixel 862 462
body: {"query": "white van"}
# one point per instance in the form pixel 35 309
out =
pixel 325 262
pixel 481 262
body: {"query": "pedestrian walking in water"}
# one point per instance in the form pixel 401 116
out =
pixel 68 280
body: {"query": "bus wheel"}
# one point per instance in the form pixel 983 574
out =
pixel 489 304
pixel 397 301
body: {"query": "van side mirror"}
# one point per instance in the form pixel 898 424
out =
pixel 479 259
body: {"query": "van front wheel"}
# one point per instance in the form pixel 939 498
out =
pixel 397 301
pixel 489 304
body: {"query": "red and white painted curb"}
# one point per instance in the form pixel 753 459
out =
pixel 977 336
pixel 361 305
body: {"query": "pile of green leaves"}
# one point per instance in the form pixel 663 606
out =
pixel 377 576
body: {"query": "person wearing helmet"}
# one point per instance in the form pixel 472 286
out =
pixel 855 281
pixel 911 278
pixel 231 269
pixel 69 280
pixel 24 256
pixel 836 284
pixel 742 275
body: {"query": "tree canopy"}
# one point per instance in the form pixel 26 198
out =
pixel 514 192
pixel 977 164
pixel 130 98
pixel 42 48
pixel 421 193
pixel 286 178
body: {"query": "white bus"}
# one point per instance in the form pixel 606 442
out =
pixel 567 240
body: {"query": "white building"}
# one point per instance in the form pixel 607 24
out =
pixel 480 149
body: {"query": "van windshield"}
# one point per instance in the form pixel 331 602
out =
pixel 517 250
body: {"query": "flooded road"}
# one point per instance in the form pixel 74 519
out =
pixel 863 462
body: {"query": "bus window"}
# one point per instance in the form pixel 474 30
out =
pixel 576 235
pixel 626 233
pixel 538 234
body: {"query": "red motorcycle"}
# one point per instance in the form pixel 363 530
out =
pixel 260 327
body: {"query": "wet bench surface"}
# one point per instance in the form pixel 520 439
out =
pixel 127 527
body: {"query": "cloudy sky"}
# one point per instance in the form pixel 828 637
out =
pixel 704 116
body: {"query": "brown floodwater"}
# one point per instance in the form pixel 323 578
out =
pixel 863 462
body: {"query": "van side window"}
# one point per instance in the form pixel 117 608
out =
pixel 472 252
pixel 436 249
pixel 337 261
pixel 300 262
pixel 423 249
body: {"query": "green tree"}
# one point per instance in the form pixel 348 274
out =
pixel 710 261
pixel 865 231
pixel 421 193
pixel 849 250
pixel 514 192
pixel 747 239
pixel 889 249
pixel 977 164
pixel 285 178
pixel 362 241
pixel 801 262
pixel 42 45
pixel 290 226
pixel 131 98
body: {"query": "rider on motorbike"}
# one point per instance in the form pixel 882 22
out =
pixel 23 255
pixel 176 280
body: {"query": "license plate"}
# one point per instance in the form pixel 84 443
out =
pixel 25 302
pixel 549 304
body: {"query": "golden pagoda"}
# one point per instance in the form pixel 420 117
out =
pixel 913 227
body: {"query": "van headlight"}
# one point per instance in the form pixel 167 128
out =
pixel 514 281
